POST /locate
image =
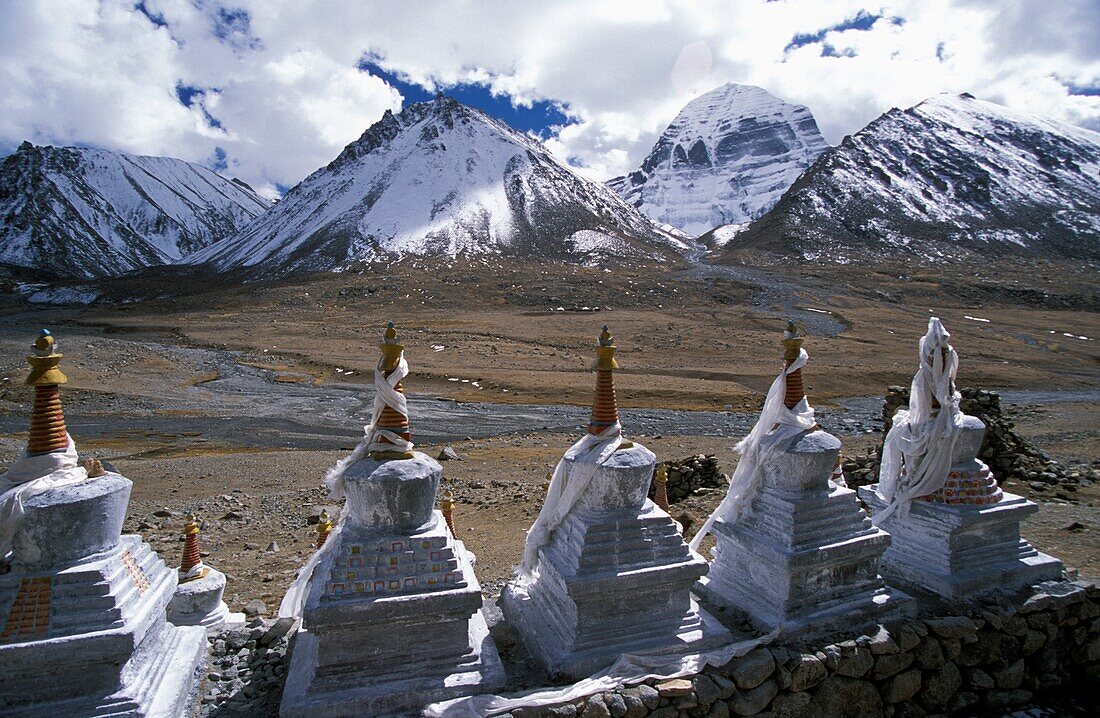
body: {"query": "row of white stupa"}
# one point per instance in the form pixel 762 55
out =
pixel 391 608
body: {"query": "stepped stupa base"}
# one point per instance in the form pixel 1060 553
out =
pixel 615 578
pixel 805 559
pixel 959 551
pixel 401 690
pixel 816 590
pixel 692 632
pixel 876 606
pixel 157 682
pixel 392 620
pixel 103 630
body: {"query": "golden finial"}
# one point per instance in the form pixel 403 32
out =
pixel 605 351
pixel 48 433
pixel 446 507
pixel 391 350
pixel 44 363
pixel 191 555
pixel 792 343
pixel 324 528
pixel 660 495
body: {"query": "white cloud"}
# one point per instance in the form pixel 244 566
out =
pixel 280 75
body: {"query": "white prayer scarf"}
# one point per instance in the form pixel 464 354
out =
pixel 918 440
pixel 193 572
pixel 628 668
pixel 385 394
pixel 30 476
pixel 566 488
pixel 774 432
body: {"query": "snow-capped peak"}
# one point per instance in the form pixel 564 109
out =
pixel 439 179
pixel 952 176
pixel 82 212
pixel 726 158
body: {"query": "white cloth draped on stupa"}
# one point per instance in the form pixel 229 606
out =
pixel 773 432
pixel 917 452
pixel 385 394
pixel 30 476
pixel 566 487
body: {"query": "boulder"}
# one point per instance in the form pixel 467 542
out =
pixel 901 687
pixel 806 672
pixel 751 702
pixel 841 697
pixel 752 669
pixel 938 687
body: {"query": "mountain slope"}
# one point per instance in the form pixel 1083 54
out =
pixel 75 212
pixel 439 179
pixel 726 158
pixel 950 177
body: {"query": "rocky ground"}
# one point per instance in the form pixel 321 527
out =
pixel 232 403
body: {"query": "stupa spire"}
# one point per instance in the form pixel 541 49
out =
pixel 792 345
pixel 391 419
pixel 191 555
pixel 48 433
pixel 324 527
pixel 605 413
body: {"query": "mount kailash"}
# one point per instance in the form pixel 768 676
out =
pixel 726 158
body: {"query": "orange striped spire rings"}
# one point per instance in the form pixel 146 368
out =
pixel 389 418
pixel 447 508
pixel 605 412
pixel 792 345
pixel 191 556
pixel 47 431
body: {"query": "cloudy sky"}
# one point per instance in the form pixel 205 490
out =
pixel 269 90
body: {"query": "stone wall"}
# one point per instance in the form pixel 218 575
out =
pixel 1008 455
pixel 1043 647
pixel 686 476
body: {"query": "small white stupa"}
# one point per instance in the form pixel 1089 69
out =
pixel 794 549
pixel 605 571
pixel 198 597
pixel 82 608
pixel 956 533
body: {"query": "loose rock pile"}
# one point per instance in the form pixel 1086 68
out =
pixel 998 657
pixel 1008 455
pixel 247 670
pixel 687 476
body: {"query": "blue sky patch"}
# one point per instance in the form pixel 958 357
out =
pixel 861 21
pixel 828 50
pixel 217 161
pixel 233 26
pixel 191 96
pixel 151 16
pixel 539 118
pixel 1082 90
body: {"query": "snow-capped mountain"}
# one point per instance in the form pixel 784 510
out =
pixel 75 212
pixel 439 179
pixel 726 158
pixel 950 177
